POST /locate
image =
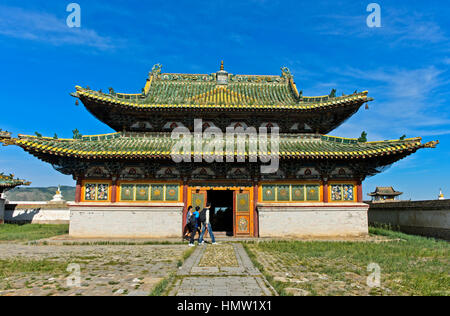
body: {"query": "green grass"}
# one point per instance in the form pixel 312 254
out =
pixel 278 286
pixel 12 267
pixel 30 232
pixel 161 288
pixel 164 286
pixel 410 265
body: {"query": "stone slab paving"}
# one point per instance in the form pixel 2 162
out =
pixel 204 274
pixel 105 270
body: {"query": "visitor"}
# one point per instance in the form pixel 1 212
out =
pixel 206 224
pixel 187 227
pixel 194 223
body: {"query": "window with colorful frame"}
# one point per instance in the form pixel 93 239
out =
pixel 290 192
pixel 145 192
pixel 342 192
pixel 96 192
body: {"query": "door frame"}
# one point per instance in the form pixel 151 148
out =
pixel 193 188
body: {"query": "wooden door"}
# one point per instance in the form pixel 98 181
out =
pixel 242 218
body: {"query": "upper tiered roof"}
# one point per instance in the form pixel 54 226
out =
pixel 220 92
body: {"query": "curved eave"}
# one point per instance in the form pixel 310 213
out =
pixel 89 98
pixel 394 150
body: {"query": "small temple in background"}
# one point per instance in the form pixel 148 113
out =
pixel 441 195
pixel 8 182
pixel 385 194
pixel 128 184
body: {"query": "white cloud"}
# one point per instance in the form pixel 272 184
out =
pixel 44 27
pixel 407 101
pixel 401 27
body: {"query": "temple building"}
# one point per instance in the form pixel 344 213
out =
pixel 7 182
pixel 295 180
pixel 385 194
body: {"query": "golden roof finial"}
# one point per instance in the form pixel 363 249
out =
pixel 221 65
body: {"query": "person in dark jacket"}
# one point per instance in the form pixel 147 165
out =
pixel 187 228
pixel 194 223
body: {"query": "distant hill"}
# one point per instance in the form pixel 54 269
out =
pixel 39 194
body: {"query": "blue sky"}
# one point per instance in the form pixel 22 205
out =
pixel 326 44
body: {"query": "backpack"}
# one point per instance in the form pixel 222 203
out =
pixel 192 220
pixel 203 215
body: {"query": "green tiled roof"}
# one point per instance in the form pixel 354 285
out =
pixel 159 146
pixel 8 181
pixel 165 91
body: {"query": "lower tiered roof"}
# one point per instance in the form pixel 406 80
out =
pixel 9 182
pixel 143 146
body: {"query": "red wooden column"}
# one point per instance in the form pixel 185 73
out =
pixel 114 190
pixel 325 192
pixel 359 192
pixel 78 190
pixel 255 210
pixel 185 200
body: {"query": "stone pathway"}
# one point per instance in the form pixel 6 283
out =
pixel 220 270
pixel 104 270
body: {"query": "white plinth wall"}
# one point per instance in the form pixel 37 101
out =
pixel 313 220
pixel 126 221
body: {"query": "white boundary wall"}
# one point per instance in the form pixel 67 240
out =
pixel 37 213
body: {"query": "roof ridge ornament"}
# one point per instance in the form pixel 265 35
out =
pixel 222 75
pixel 156 70
pixel 285 72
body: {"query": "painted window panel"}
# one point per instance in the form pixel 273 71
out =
pixel 142 192
pixel 283 193
pixel 90 192
pixel 312 193
pixel 298 193
pixel 157 192
pixel 268 193
pixel 127 192
pixel 103 192
pixel 342 192
pixel 172 192
pixel 336 192
pixel 348 193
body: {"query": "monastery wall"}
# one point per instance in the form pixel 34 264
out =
pixel 156 221
pixel 426 218
pixel 37 213
pixel 312 220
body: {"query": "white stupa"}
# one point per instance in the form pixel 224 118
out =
pixel 441 195
pixel 58 197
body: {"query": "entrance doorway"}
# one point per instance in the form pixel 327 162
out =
pixel 221 211
pixel 232 208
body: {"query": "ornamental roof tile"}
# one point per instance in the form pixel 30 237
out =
pixel 9 182
pixel 200 91
pixel 159 146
